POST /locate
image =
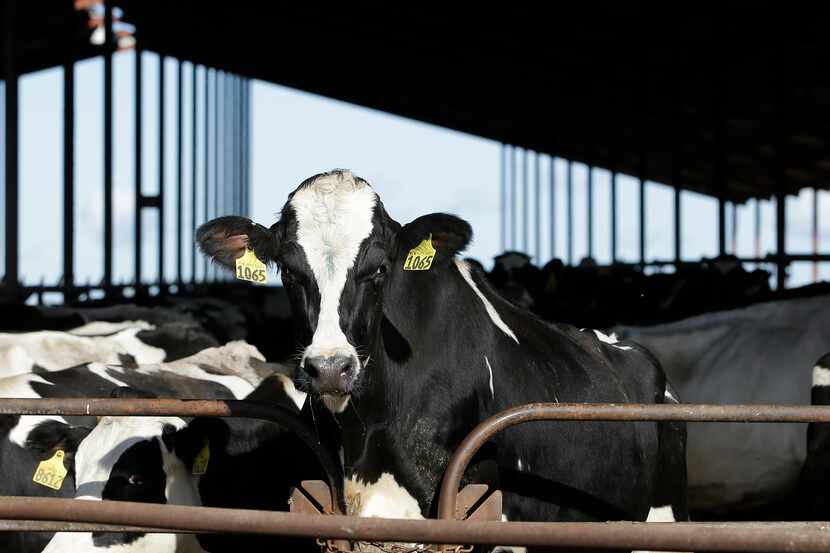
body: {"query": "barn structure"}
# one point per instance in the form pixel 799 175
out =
pixel 729 102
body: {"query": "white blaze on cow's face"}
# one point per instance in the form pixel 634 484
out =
pixel 334 216
pixel 125 458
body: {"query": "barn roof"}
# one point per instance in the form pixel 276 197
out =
pixel 727 99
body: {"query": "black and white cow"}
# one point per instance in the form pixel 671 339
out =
pixel 410 361
pixel 133 342
pixel 251 465
pixel 228 372
pixel 814 486
pixel 763 354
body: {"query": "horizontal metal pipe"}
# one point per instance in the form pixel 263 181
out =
pixel 183 408
pixel 739 537
pixel 53 526
pixel 608 412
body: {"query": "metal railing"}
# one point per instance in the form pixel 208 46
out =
pixel 49 514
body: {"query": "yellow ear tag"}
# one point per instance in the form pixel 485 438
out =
pixel 51 472
pixel 249 267
pixel 420 257
pixel 200 463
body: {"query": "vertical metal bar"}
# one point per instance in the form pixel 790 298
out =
pixel 218 76
pixel 206 195
pixel 552 200
pixel 108 49
pixel 757 229
pixel 239 152
pixel 525 201
pixel 161 167
pixel 613 217
pixel 69 164
pixel 537 209
pixel 677 226
pixel 180 172
pixel 138 160
pixel 642 209
pixel 570 215
pixel 193 180
pixel 11 160
pixel 815 233
pixel 247 143
pixel 734 245
pixel 512 198
pixel 781 229
pixel 503 204
pixel 721 221
pixel 590 213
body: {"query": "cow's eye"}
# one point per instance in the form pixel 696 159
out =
pixel 381 270
pixel 136 479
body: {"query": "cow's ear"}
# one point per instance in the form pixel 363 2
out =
pixel 226 238
pixel 450 234
pixel 202 434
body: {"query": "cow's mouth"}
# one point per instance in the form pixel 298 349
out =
pixel 335 401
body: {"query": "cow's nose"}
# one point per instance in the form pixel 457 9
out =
pixel 330 373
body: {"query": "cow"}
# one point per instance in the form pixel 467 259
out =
pixel 409 361
pixel 229 372
pixel 813 497
pixel 757 354
pixel 249 464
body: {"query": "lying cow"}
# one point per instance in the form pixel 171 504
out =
pixel 409 361
pixel 249 464
pixel 128 342
pixel 758 354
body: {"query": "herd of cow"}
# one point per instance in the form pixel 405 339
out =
pixel 396 362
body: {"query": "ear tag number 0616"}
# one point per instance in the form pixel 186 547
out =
pixel 420 257
pixel 51 472
pixel 250 268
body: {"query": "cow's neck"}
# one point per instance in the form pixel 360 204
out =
pixel 415 409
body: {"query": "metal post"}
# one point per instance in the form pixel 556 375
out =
pixel 721 221
pixel 512 198
pixel 613 217
pixel 11 161
pixel 108 48
pixel 247 146
pixel 642 210
pixel 162 151
pixel 815 233
pixel 180 172
pixel 757 229
pixel 206 195
pixel 503 205
pixel 781 229
pixel 69 164
pixel 525 202
pixel 538 213
pixel 677 226
pixel 193 130
pixel 590 213
pixel 217 178
pixel 569 220
pixel 734 245
pixel 552 177
pixel 138 161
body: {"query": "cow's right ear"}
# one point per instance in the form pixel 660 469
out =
pixel 225 239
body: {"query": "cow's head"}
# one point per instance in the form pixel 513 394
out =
pixel 142 459
pixel 331 244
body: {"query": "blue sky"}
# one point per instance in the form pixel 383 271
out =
pixel 417 168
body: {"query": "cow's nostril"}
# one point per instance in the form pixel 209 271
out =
pixel 347 366
pixel 311 368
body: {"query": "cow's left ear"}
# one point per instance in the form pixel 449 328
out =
pixel 226 238
pixel 203 436
pixel 450 234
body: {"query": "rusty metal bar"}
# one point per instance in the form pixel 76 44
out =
pixel 608 412
pixel 54 526
pixel 181 408
pixel 685 536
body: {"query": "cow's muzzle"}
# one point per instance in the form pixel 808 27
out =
pixel 331 374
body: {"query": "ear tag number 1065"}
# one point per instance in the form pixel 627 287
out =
pixel 250 268
pixel 420 257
